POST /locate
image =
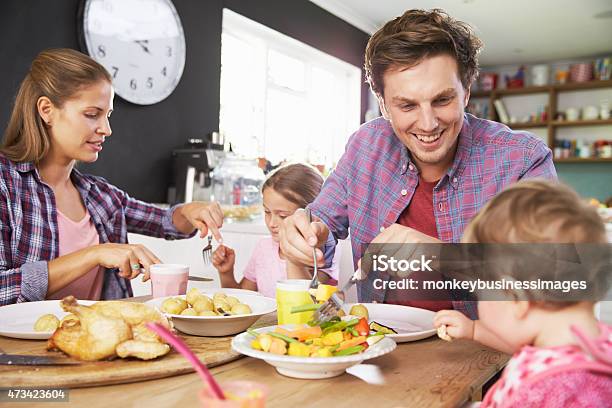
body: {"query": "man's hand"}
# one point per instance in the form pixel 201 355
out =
pixel 297 237
pixel 398 234
pixel 400 242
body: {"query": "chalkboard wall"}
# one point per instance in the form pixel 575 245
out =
pixel 136 157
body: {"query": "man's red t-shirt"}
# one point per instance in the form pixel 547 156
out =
pixel 420 215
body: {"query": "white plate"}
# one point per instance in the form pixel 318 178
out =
pixel 18 320
pixel 220 325
pixel 410 323
pixel 308 367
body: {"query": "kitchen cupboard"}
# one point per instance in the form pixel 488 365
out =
pixel 550 96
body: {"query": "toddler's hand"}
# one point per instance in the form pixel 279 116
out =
pixel 223 259
pixel 458 325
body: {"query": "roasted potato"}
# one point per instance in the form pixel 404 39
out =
pixel 207 313
pixel 189 312
pixel 240 309
pixel 182 302
pixel 47 322
pixel 202 304
pixel 172 306
pixel 231 301
pixel 359 311
pixel 193 295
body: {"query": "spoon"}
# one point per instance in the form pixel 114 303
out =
pixel 180 346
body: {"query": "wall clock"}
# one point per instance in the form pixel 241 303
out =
pixel 140 42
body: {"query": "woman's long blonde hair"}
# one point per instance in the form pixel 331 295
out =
pixel 57 74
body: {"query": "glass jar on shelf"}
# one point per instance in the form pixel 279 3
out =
pixel 236 186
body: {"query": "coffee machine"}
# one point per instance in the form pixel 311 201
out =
pixel 192 167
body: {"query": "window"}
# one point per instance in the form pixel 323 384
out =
pixel 282 99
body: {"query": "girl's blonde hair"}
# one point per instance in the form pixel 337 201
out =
pixel 57 74
pixel 299 183
pixel 536 211
pixel 545 212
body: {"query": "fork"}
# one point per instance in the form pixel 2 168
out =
pixel 334 304
pixel 314 283
pixel 207 251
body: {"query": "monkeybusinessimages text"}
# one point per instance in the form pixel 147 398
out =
pixel 402 267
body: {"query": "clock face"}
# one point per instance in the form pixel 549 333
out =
pixel 140 43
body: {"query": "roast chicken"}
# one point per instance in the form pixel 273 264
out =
pixel 107 329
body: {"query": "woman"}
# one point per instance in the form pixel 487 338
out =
pixel 64 232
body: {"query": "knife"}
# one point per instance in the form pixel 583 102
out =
pixel 199 279
pixel 23 359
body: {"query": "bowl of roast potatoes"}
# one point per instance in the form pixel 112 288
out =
pixel 214 313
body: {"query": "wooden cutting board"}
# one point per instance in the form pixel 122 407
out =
pixel 213 351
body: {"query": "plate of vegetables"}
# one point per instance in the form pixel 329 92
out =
pixel 322 351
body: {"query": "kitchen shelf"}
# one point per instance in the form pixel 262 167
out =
pixel 522 91
pixel 480 94
pixel 571 86
pixel 527 125
pixel 551 126
pixel 578 86
pixel 584 160
pixel 596 122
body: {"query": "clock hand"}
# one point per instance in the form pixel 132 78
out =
pixel 143 44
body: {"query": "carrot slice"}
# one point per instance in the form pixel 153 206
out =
pixel 307 333
pixel 352 342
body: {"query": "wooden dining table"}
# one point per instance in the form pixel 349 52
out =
pixel 424 373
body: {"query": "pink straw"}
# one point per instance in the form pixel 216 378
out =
pixel 180 346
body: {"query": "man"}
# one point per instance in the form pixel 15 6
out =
pixel 423 170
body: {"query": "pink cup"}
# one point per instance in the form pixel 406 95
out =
pixel 169 279
pixel 238 394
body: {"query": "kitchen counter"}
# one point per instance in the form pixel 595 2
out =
pixel 257 227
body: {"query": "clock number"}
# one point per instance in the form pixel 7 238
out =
pixel 164 73
pixel 115 70
pixel 101 51
pixel 133 84
pixel 169 51
pixel 149 82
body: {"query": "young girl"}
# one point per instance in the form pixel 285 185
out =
pixel 287 189
pixel 64 232
pixel 562 354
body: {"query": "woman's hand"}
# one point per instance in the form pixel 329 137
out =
pixel 458 325
pixel 203 216
pixel 223 259
pixel 131 260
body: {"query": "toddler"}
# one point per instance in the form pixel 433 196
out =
pixel 562 356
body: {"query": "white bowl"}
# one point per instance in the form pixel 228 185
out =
pixel 308 367
pixel 220 325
